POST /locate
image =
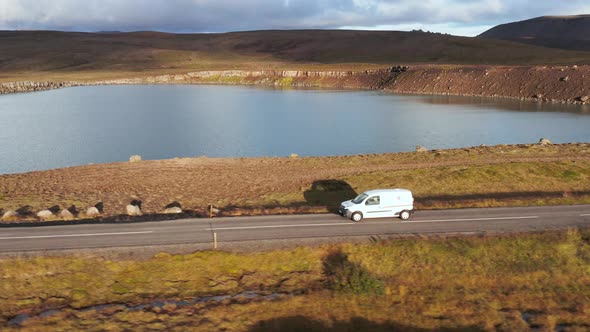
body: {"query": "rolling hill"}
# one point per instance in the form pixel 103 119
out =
pixel 566 32
pixel 26 53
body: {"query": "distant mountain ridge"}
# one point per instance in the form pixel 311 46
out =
pixel 565 32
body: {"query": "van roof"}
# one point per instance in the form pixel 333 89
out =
pixel 382 191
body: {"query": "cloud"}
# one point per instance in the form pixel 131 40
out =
pixel 231 15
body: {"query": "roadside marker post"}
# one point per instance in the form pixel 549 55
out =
pixel 214 240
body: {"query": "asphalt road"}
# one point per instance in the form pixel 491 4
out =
pixel 244 229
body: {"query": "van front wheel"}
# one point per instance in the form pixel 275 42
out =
pixel 404 215
pixel 357 216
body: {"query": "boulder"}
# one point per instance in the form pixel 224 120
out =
pixel 538 96
pixel 99 206
pixel 173 210
pixel 73 210
pixel 545 141
pixel 92 211
pixel 136 202
pixel 133 210
pixel 420 148
pixel 173 204
pixel 54 209
pixel 26 210
pixel 44 214
pixel 8 215
pixel 564 79
pixel 65 214
pixel 584 99
pixel 135 159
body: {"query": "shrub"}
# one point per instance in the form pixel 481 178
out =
pixel 346 276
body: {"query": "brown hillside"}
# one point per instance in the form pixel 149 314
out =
pixel 64 52
pixel 567 32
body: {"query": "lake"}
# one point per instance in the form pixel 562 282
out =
pixel 99 124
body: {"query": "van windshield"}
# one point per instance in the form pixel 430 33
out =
pixel 360 198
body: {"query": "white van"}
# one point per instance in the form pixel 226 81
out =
pixel 379 203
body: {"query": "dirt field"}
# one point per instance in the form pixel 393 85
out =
pixel 483 176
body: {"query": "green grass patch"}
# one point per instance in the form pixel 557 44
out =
pixel 499 178
pixel 286 81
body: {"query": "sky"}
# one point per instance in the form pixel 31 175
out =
pixel 457 17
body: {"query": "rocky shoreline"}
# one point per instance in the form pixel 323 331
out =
pixel 32 86
pixel 555 84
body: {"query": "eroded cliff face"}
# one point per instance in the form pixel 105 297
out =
pixel 542 83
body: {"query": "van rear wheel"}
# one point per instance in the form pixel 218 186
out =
pixel 356 217
pixel 404 215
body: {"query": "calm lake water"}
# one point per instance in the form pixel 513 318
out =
pixel 82 125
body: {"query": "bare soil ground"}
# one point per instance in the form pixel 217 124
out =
pixel 311 184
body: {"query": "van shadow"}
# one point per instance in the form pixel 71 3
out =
pixel 302 323
pixel 329 193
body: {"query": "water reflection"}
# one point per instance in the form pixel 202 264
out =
pixel 101 124
pixel 505 104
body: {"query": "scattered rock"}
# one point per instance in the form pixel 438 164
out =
pixel 545 141
pixel 564 79
pixel 133 210
pixel 99 206
pixel 54 209
pixel 420 148
pixel 44 214
pixel 92 211
pixel 398 69
pixel 538 96
pixel 173 204
pixel 135 158
pixel 65 214
pixel 439 153
pixel 25 211
pixel 173 210
pixel 9 215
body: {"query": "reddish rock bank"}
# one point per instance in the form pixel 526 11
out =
pixel 553 84
pixel 565 84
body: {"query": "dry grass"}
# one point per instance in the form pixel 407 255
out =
pixel 502 283
pixel 484 176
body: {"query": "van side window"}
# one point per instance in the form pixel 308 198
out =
pixel 373 201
